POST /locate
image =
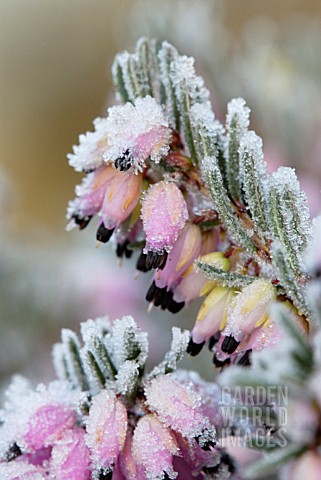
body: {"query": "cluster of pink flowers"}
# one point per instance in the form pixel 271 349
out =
pixel 161 429
pixel 167 213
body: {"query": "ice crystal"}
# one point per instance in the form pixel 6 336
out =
pixel 89 153
pixel 140 129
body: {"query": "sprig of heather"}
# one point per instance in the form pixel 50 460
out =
pixel 104 418
pixel 196 198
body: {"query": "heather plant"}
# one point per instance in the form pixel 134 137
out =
pixel 194 199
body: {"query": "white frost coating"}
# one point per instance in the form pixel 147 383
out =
pixel 125 340
pixel 88 154
pixel 313 252
pixel 122 59
pixel 17 413
pixel 237 108
pixel 127 377
pixel 183 77
pixel 153 446
pixel 202 113
pixel 178 406
pixel 21 471
pixel 94 328
pixel 140 129
pixel 293 207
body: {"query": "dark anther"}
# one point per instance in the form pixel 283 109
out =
pixel 205 445
pixel 194 348
pixel 213 341
pixel 156 260
pixel 82 222
pixel 170 304
pixel 159 296
pixel 220 363
pixel 122 250
pixel 105 474
pixel 166 477
pixel 229 344
pixel 13 452
pixel 141 263
pixel 124 162
pixel 225 460
pixel 103 234
pixel 245 360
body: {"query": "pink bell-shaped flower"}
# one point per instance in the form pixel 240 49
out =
pixel 178 407
pixel 211 318
pixel 182 255
pixel 164 213
pixel 106 428
pixel 153 448
pixel 46 425
pixel 137 132
pixel 70 457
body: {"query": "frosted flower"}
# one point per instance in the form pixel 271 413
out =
pixel 135 133
pixel 106 428
pixel 177 406
pixel 70 457
pixel 248 310
pixel 211 318
pixel 196 284
pixel 111 194
pixel 164 213
pixel 153 448
pixel 88 155
pixel 185 250
pixel 21 471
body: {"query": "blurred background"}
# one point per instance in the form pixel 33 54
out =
pixel 55 59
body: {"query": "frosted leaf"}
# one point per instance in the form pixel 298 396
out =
pixel 174 356
pixel 59 361
pixel 138 131
pixel 127 342
pixel 313 252
pixel 183 77
pixel 166 54
pixel 88 154
pixel 289 215
pixel 254 179
pixel 74 365
pixel 237 122
pixel 126 378
pixel 237 109
pixel 214 180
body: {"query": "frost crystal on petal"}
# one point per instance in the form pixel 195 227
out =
pixel 139 131
pixel 89 153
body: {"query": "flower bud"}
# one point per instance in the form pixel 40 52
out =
pixel 106 428
pixel 164 213
pixel 137 132
pixel 46 425
pixel 248 310
pixel 121 197
pixel 90 195
pixel 211 317
pixel 179 407
pixel 153 448
pixel 195 283
pixel 70 457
